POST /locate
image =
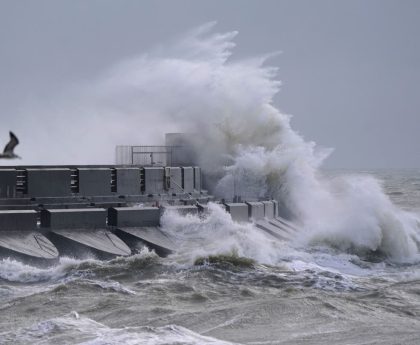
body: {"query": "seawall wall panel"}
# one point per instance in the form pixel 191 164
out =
pixel 18 220
pixel 128 181
pixel 154 180
pixel 188 179
pixel 8 183
pixel 133 216
pixel 238 211
pixel 86 218
pixel 255 210
pixel 94 181
pixel 175 179
pixel 52 182
pixel 268 209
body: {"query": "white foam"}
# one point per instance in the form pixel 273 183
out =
pixel 219 234
pixel 89 332
pixel 16 271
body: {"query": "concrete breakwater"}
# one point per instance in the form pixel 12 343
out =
pixel 107 211
pixel 37 187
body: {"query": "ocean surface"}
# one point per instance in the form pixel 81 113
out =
pixel 252 289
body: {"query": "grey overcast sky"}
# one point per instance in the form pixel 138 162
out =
pixel 350 69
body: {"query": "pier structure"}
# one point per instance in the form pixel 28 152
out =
pixel 106 211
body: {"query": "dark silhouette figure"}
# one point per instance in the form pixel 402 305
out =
pixel 8 150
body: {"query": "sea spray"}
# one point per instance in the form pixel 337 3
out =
pixel 245 142
pixel 218 234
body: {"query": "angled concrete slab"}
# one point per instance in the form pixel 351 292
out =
pixel 153 237
pixel 20 239
pixel 100 242
pixel 78 232
pixel 281 226
pixel 273 230
pixel 287 223
pixel 136 225
pixel 31 244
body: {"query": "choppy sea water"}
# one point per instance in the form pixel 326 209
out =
pixel 288 294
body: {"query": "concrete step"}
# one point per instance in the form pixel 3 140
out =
pixel 152 236
pixel 273 230
pixel 82 242
pixel 29 244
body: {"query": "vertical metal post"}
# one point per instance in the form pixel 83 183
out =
pixel 132 155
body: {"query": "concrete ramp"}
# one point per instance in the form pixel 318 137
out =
pixel 273 230
pixel 279 225
pixel 20 239
pixel 100 241
pixel 139 225
pixel 287 223
pixel 27 243
pixel 152 236
pixel 77 232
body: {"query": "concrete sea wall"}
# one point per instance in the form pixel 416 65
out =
pixel 107 211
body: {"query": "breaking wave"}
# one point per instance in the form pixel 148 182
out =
pixel 68 268
pixel 245 143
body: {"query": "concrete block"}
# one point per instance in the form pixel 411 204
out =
pixel 81 218
pixel 268 209
pixel 94 181
pixel 174 179
pixel 188 179
pixel 8 183
pixel 182 209
pixel 276 208
pixel 154 180
pixel 238 211
pixel 133 216
pixel 255 210
pixel 48 182
pixel 128 181
pixel 18 220
pixel 197 179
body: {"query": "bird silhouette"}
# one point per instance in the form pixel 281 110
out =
pixel 8 150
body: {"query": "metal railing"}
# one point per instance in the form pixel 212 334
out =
pixel 146 155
